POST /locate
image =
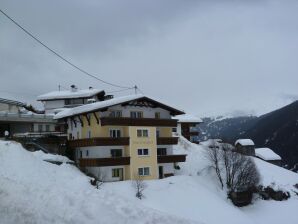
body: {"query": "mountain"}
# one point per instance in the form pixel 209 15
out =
pixel 226 128
pixel 278 130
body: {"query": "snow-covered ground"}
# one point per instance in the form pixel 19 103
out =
pixel 34 191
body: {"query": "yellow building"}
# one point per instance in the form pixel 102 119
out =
pixel 123 138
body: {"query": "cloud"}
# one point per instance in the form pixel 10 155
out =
pixel 207 57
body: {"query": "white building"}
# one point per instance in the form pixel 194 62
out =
pixel 57 101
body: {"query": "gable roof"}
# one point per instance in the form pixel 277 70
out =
pixel 267 154
pixel 245 142
pixel 101 105
pixel 68 94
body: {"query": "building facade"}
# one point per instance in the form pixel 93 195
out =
pixel 123 138
pixel 188 127
pixel 245 146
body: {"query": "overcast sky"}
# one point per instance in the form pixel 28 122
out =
pixel 207 57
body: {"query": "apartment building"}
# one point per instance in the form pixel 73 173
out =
pixel 124 137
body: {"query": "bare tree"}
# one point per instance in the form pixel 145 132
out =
pixel 214 156
pixel 241 173
pixel 139 185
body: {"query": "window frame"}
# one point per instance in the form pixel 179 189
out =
pixel 137 113
pixel 113 150
pixel 142 150
pixel 142 131
pixel 142 173
pixel 116 131
pixel 114 172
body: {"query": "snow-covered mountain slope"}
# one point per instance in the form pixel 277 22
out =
pixel 33 191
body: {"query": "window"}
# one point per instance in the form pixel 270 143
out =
pixel 116 113
pixel 89 134
pixel 47 128
pixel 142 133
pixel 87 153
pixel 81 154
pixel 116 152
pixel 174 130
pixel 157 115
pixel 161 151
pixel 136 114
pixel 143 152
pixel 71 125
pixel 144 171
pixel 115 133
pixel 40 128
pixel 157 133
pixel 116 172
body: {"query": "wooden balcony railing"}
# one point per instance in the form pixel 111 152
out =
pixel 97 162
pixel 171 158
pixel 127 121
pixel 98 142
pixel 167 140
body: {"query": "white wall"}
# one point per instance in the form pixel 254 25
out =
pixel 36 125
pixel 167 167
pixel 100 151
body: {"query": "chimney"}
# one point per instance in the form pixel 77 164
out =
pixel 90 87
pixel 73 88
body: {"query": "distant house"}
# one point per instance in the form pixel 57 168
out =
pixel 268 155
pixel 187 126
pixel 57 101
pixel 245 146
pixel 16 119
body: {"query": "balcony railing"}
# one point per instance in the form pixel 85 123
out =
pixel 98 162
pixel 127 121
pixel 167 140
pixel 171 158
pixel 98 142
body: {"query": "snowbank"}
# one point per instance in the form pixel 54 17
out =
pixel 34 191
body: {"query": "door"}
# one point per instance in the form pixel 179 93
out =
pixel 121 174
pixel 160 171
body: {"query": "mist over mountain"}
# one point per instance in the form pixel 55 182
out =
pixel 277 130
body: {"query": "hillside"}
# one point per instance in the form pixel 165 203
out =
pixel 278 130
pixel 225 127
pixel 34 191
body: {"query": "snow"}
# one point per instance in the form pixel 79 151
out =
pixel 266 154
pixel 33 191
pixel 98 105
pixel 245 142
pixel 188 118
pixel 51 157
pixel 68 94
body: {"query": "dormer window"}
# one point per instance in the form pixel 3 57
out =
pixel 157 115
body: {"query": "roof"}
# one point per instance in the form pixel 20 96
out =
pixel 92 107
pixel 267 154
pixel 245 142
pixel 68 94
pixel 188 118
pixel 12 102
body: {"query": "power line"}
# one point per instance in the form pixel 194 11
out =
pixel 60 56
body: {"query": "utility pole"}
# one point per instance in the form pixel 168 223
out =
pixel 136 88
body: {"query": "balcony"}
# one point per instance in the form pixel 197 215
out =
pixel 171 158
pixel 98 162
pixel 127 121
pixel 98 142
pixel 167 140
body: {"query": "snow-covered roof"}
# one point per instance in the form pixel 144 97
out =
pixel 69 94
pixel 267 154
pixel 245 142
pixel 108 103
pixel 188 118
